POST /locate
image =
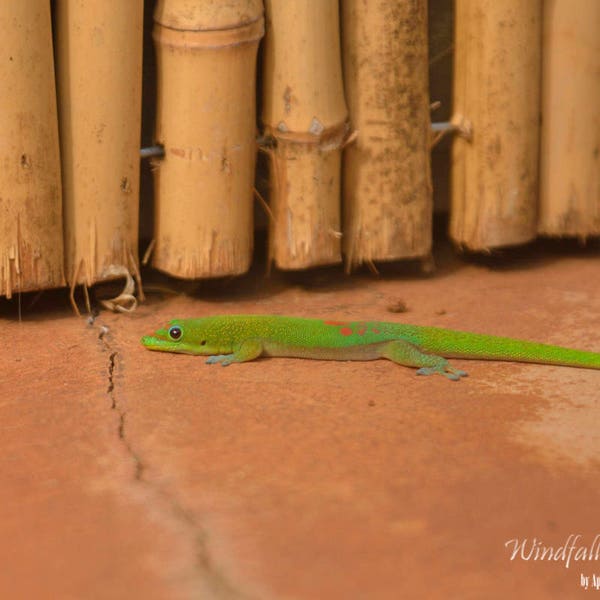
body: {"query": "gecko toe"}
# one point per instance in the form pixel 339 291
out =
pixel 217 358
pixel 426 371
pixel 450 373
pixel 452 376
pixel 455 374
pixel 461 373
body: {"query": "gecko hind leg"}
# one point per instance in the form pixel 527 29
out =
pixel 405 353
pixel 449 372
pixel 248 350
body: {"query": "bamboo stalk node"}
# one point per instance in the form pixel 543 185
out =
pixel 324 138
pixel 203 39
pixel 207 15
pixel 316 127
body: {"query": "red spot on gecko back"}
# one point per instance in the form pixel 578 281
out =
pixel 375 330
pixel 346 331
pixel 362 331
pixel 336 323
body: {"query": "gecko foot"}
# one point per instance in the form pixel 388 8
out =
pixel 449 372
pixel 224 359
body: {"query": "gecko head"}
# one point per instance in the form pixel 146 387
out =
pixel 185 337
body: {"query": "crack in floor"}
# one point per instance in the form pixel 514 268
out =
pixel 206 572
pixel 111 383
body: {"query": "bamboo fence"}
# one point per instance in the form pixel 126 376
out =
pixel 31 240
pixel 100 122
pixel 570 149
pixel 305 115
pixel 206 120
pixel 497 98
pixel 344 121
pixel 387 173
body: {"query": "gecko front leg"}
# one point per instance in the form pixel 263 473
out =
pixel 248 350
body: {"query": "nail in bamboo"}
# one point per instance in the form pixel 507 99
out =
pixel 99 70
pixel 206 120
pixel 305 113
pixel 387 171
pixel 31 246
pixel 570 149
pixel 496 96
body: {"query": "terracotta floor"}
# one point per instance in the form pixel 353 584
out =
pixel 131 474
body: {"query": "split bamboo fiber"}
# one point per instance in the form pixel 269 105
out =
pixel 496 97
pixel 206 120
pixel 99 60
pixel 305 114
pixel 31 247
pixel 570 149
pixel 387 171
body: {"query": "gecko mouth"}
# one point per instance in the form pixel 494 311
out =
pixel 154 343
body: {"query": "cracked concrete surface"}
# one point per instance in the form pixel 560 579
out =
pixel 113 395
pixel 208 581
pixel 131 474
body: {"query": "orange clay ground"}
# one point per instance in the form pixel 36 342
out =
pixel 131 474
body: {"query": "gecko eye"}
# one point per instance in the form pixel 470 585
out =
pixel 203 343
pixel 175 333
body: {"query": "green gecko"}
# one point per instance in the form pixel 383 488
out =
pixel 240 338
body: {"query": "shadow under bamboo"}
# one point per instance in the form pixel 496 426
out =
pixel 31 239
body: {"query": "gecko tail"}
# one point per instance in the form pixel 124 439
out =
pixel 459 344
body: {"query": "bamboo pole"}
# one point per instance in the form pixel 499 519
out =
pixel 305 114
pixel 99 61
pixel 496 96
pixel 31 246
pixel 206 120
pixel 570 149
pixel 387 171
